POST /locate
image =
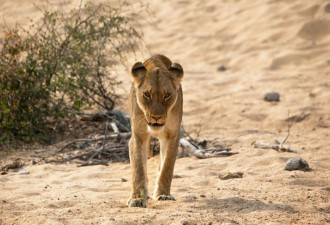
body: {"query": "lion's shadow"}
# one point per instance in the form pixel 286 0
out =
pixel 240 205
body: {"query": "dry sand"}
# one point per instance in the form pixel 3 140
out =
pixel 266 46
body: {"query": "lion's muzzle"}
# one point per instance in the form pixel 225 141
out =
pixel 156 124
pixel 155 121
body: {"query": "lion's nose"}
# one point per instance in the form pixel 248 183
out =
pixel 156 117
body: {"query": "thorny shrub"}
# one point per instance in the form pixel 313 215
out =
pixel 60 65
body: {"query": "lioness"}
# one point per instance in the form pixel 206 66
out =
pixel 156 110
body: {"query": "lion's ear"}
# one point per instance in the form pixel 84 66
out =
pixel 138 71
pixel 176 72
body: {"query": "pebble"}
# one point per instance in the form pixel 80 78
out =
pixel 184 222
pixel 231 176
pixel 327 8
pixel 23 172
pixel 222 68
pixel 297 164
pixel 272 97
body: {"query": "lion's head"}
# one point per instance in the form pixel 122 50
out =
pixel 156 88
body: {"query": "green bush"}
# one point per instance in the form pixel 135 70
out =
pixel 58 66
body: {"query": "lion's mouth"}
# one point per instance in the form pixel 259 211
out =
pixel 156 124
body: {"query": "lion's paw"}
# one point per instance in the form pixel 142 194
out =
pixel 165 197
pixel 137 202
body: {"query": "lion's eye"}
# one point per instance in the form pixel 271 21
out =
pixel 167 96
pixel 146 94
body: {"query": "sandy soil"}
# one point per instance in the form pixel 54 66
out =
pixel 266 46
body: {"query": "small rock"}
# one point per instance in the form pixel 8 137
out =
pixel 314 30
pixel 23 172
pixel 297 164
pixel 326 189
pixel 190 198
pixel 298 118
pixel 231 176
pixel 272 97
pixel 3 172
pixel 203 144
pixel 176 176
pixel 184 222
pixel 327 8
pixel 14 165
pixel 176 214
pixel 222 68
pixel 312 95
pixel 202 196
pixel 123 180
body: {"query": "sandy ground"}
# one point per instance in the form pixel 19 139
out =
pixel 266 46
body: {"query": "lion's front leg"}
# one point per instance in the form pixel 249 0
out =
pixel 138 160
pixel 168 148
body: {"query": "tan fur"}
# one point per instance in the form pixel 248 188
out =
pixel 156 110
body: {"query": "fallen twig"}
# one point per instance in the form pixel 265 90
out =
pixel 279 144
pixel 276 147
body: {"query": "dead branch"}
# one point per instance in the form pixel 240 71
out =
pixel 206 153
pixel 93 163
pixel 188 145
pixel 118 153
pixel 16 164
pixel 116 116
pixel 103 137
pixel 114 127
pixel 104 148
